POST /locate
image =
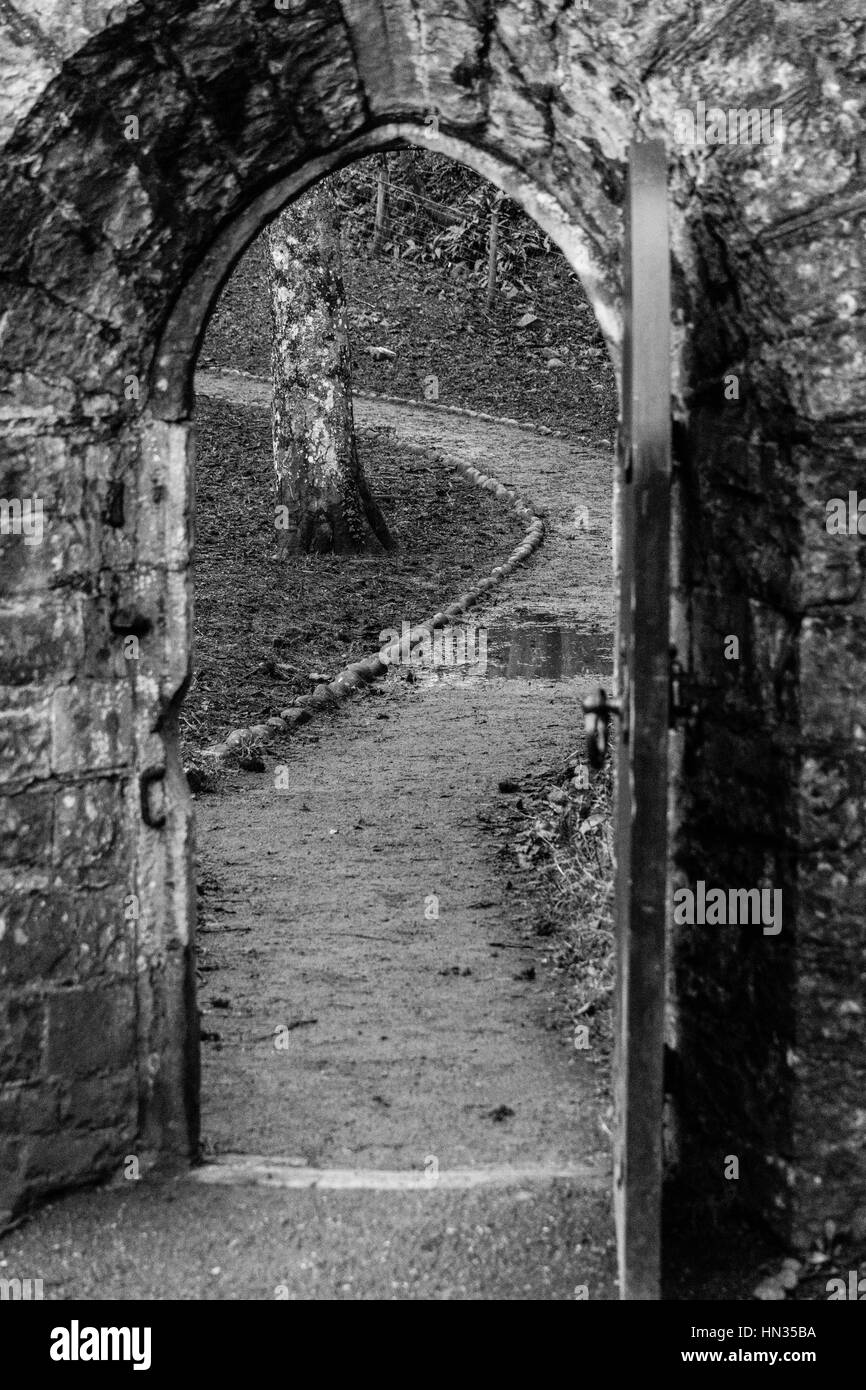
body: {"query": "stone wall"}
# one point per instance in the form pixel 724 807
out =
pixel 143 146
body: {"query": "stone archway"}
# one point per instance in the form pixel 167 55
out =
pixel 171 425
pixel 140 154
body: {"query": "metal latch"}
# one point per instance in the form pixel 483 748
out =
pixel 597 711
pixel 152 792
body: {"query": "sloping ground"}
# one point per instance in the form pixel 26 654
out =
pixel 263 625
pixel 373 996
pixel 436 326
pixel 408 1035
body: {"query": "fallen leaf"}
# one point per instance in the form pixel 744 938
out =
pixel 769 1291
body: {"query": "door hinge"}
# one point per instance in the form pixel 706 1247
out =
pixel 682 706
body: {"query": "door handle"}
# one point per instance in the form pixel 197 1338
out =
pixel 597 712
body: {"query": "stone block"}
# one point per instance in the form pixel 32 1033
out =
pixel 90 833
pixel 29 1109
pixel 832 660
pixel 40 637
pixel 101 1102
pixel 22 1026
pixel 91 1030
pixel 26 827
pixel 42 466
pixel 832 808
pixel 66 937
pixel 91 726
pixel 25 734
pixel 11 1155
pixel 67 1156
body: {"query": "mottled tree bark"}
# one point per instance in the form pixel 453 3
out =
pixel 381 206
pixel 324 502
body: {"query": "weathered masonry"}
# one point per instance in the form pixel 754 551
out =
pixel 144 145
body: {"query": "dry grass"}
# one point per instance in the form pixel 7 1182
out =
pixel 568 841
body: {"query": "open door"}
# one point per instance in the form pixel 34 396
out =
pixel 642 706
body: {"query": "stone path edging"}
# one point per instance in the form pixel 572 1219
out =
pixel 464 410
pixel 359 673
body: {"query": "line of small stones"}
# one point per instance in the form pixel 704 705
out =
pixel 463 410
pixel 361 673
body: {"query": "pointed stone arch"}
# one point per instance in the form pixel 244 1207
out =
pixel 123 231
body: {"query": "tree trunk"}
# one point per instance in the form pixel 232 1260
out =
pixel 381 205
pixel 324 502
pixel 492 244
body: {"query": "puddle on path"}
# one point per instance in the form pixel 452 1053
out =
pixel 535 647
pixel 551 653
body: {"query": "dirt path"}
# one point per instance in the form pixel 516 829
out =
pixel 408 1036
